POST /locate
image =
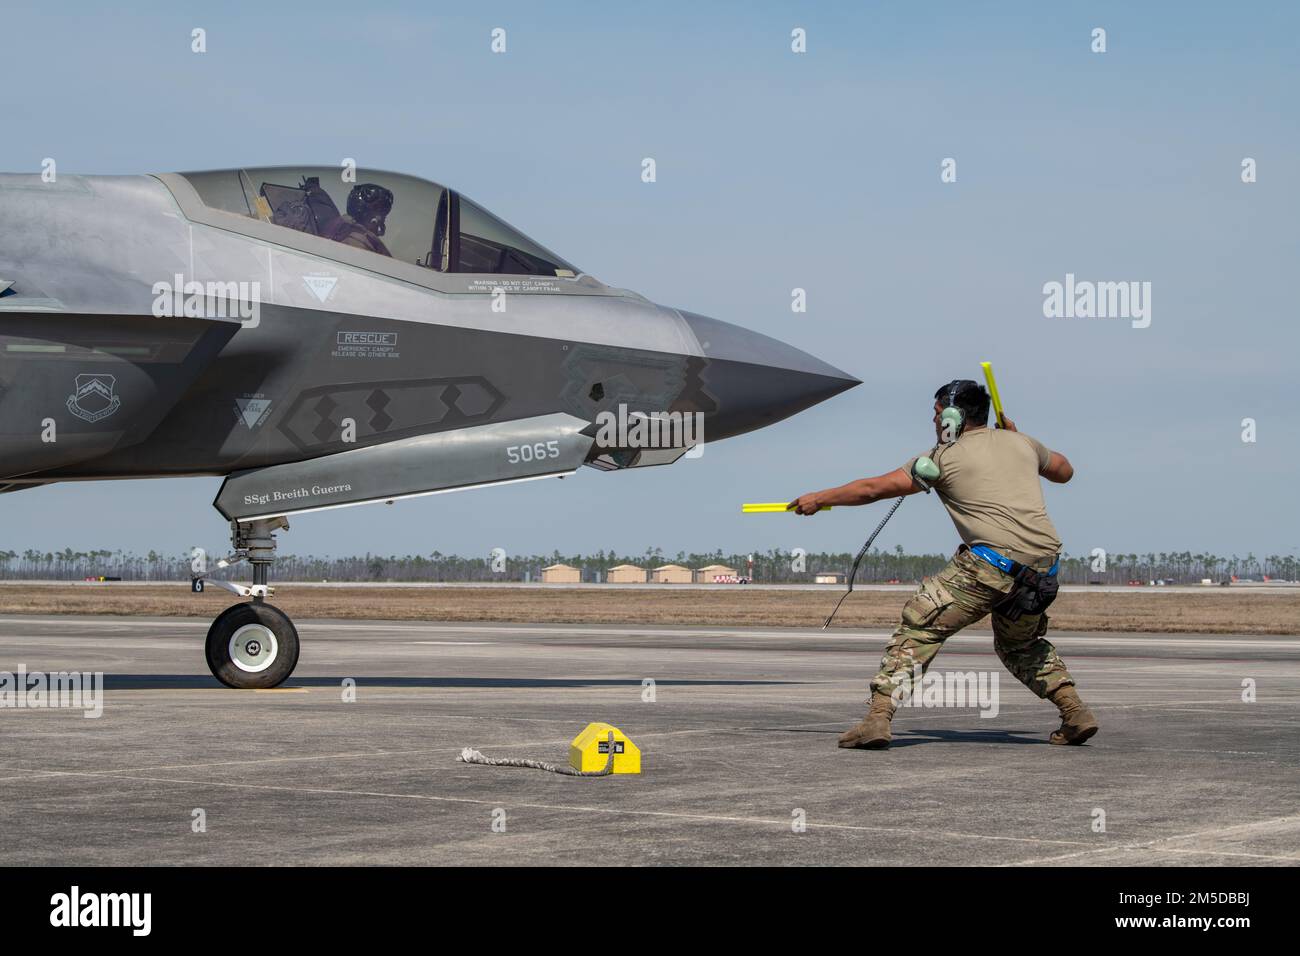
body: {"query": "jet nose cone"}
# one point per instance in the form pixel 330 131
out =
pixel 756 380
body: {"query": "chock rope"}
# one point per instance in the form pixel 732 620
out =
pixel 470 755
pixel 858 560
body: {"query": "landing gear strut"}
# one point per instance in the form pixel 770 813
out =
pixel 252 645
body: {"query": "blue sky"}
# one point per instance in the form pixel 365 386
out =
pixel 775 170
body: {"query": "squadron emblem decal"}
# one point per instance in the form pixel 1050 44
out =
pixel 320 285
pixel 94 399
pixel 252 410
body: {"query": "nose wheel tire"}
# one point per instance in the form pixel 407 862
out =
pixel 252 645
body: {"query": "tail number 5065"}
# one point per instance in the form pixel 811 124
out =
pixel 535 452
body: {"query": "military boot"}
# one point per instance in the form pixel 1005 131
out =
pixel 873 731
pixel 1077 722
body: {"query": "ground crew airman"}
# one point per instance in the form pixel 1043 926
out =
pixel 1006 565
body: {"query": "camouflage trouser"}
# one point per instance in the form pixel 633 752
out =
pixel 958 596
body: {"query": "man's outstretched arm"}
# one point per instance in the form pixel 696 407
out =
pixel 861 492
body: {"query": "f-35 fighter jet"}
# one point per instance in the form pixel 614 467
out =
pixel 326 337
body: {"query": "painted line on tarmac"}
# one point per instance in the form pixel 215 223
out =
pixel 339 756
pixel 831 724
pixel 1266 826
pixel 784 824
pixel 1135 638
pixel 453 643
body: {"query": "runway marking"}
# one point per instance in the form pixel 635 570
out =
pixel 1129 639
pixel 831 724
pixel 1147 844
pixel 381 625
pixel 453 643
pixel 704 817
pixel 1254 856
pixel 569 808
pixel 513 744
pixel 719 818
pixel 339 756
pixel 72 620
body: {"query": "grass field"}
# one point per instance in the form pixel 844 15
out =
pixel 1237 612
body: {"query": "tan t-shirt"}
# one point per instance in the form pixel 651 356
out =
pixel 989 483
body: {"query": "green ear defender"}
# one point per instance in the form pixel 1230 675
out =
pixel 952 419
pixel 924 472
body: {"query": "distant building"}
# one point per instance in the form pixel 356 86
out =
pixel 561 574
pixel 832 577
pixel 672 574
pixel 708 573
pixel 626 574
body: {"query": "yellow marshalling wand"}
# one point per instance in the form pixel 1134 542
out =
pixel 770 507
pixel 993 391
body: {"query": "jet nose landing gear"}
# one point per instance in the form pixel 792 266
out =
pixel 252 645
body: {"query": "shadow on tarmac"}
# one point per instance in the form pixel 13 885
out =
pixel 911 737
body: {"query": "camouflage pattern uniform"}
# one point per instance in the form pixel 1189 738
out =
pixel 958 596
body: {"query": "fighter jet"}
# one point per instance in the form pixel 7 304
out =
pixel 324 337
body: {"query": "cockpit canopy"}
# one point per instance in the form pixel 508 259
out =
pixel 387 214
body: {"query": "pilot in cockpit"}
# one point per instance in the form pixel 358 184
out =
pixel 368 208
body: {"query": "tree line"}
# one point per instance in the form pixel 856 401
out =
pixel 774 566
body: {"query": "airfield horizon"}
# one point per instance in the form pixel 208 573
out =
pixel 1273 609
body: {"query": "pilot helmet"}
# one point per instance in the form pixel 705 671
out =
pixel 369 204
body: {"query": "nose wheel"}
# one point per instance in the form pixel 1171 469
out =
pixel 252 645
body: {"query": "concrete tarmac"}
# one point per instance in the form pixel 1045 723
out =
pixel 738 743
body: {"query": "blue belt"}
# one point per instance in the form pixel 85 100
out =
pixel 1005 564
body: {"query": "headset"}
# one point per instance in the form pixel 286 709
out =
pixel 952 419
